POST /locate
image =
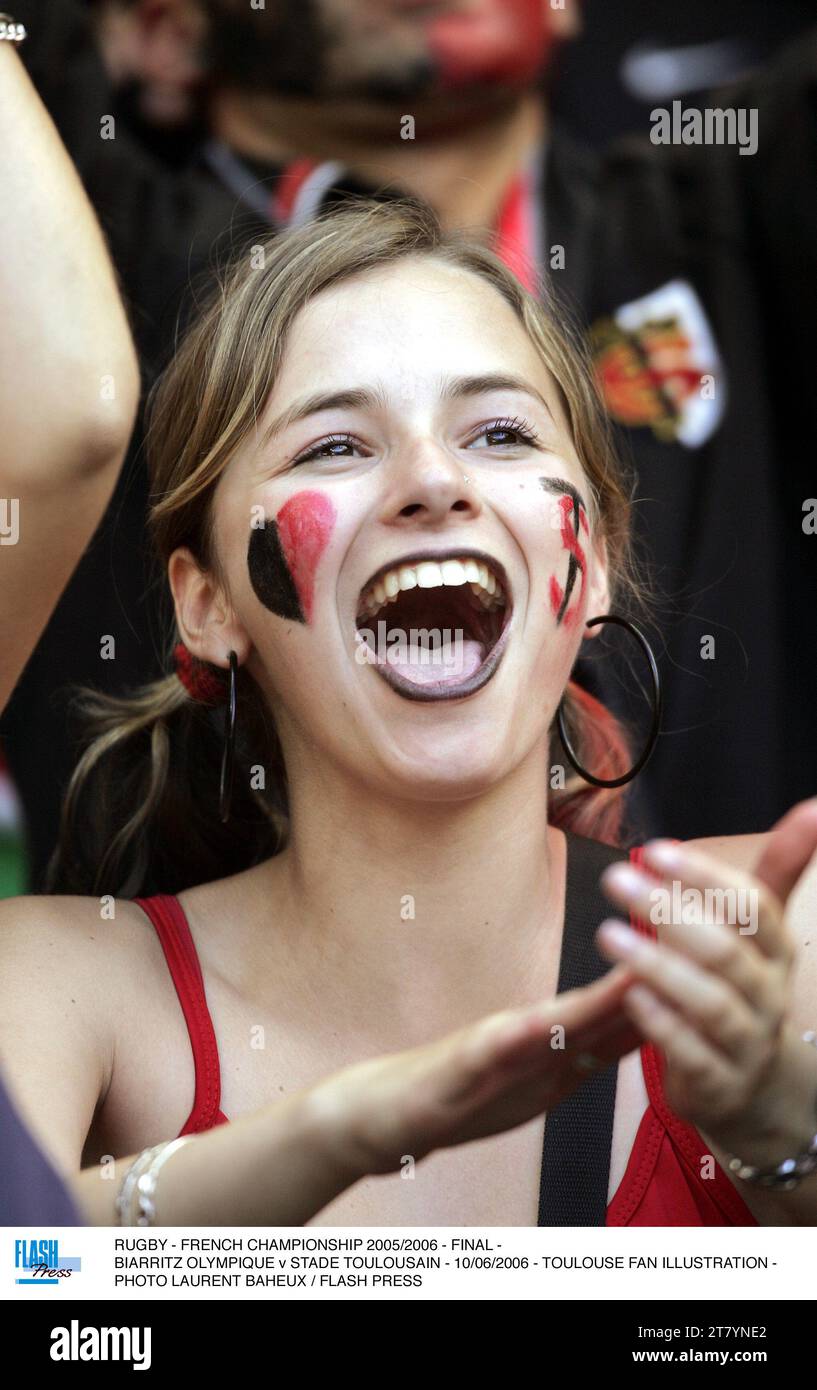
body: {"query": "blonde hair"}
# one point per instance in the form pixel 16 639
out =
pixel 141 811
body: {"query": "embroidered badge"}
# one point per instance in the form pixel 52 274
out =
pixel 659 367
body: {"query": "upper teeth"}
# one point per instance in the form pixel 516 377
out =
pixel 428 574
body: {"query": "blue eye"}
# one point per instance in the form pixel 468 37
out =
pixel 327 448
pixel 525 433
pixel 522 434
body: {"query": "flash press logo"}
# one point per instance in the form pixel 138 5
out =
pixel 75 1343
pixel 39 1262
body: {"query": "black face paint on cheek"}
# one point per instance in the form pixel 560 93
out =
pixel 570 528
pixel 270 575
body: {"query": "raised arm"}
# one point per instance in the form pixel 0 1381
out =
pixel 69 380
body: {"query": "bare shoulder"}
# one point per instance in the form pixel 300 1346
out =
pixel 69 969
pixel 70 940
pixel 67 918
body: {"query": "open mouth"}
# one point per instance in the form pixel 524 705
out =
pixel 434 626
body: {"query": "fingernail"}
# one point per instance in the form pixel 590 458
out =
pixel 618 936
pixel 623 877
pixel 664 853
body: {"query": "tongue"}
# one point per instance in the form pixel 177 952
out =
pixel 451 661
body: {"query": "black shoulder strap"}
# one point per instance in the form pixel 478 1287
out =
pixel 579 1132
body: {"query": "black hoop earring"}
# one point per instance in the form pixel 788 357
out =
pixel 225 794
pixel 657 705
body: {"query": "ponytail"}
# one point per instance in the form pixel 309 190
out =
pixel 141 812
pixel 602 747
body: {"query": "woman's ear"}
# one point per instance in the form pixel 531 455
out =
pixel 206 622
pixel 598 589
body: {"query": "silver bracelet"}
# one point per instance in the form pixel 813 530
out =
pixel 124 1200
pixel 785 1176
pixel 11 30
pixel 146 1181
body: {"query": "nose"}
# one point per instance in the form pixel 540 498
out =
pixel 429 488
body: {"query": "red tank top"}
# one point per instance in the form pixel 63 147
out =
pixel 663 1183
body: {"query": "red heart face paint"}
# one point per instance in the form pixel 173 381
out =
pixel 498 40
pixel 573 520
pixel 283 556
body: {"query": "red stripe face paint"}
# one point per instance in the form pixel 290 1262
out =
pixel 573 520
pixel 283 556
pixel 557 596
pixel 498 40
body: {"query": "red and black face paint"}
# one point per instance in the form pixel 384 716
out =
pixel 283 556
pixel 573 520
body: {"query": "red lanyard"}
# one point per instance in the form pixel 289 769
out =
pixel 515 231
pixel 302 184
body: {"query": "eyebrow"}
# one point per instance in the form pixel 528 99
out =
pixel 365 398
